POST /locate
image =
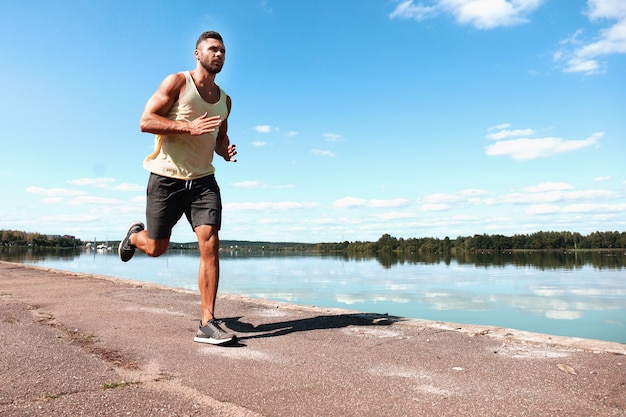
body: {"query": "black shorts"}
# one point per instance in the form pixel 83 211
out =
pixel 169 198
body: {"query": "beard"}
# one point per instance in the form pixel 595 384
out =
pixel 212 68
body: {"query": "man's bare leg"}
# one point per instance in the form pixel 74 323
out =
pixel 149 246
pixel 208 281
pixel 209 270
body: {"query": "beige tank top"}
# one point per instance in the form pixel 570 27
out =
pixel 184 156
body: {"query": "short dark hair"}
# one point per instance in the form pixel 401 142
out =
pixel 211 34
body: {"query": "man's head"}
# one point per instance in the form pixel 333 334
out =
pixel 209 35
pixel 210 51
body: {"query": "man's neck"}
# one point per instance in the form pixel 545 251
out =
pixel 203 78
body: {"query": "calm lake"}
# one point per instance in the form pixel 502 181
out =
pixel 579 294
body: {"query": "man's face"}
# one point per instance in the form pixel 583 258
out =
pixel 211 55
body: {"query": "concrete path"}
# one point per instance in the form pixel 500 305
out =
pixel 73 344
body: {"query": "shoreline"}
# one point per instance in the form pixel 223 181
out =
pixel 501 333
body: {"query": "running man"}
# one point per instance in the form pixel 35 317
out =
pixel 188 114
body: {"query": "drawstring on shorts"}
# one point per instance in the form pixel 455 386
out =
pixel 188 184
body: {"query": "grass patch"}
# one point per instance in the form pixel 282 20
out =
pixel 114 385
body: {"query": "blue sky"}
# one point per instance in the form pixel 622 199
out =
pixel 352 118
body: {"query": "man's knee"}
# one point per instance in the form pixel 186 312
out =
pixel 208 239
pixel 156 248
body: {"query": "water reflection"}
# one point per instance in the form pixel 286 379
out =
pixel 537 259
pixel 562 293
pixel 544 260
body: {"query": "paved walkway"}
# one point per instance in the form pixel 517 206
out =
pixel 73 344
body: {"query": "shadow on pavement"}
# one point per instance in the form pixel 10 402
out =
pixel 283 328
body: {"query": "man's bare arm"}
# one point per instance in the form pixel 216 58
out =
pixel 153 119
pixel 223 147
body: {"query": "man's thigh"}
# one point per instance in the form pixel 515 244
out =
pixel 206 203
pixel 166 201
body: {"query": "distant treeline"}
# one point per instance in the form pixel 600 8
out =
pixel 19 238
pixel 246 245
pixel 386 243
pixel 534 241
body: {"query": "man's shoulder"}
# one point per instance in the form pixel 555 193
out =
pixel 174 82
pixel 179 77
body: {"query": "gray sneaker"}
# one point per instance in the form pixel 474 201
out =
pixel 126 250
pixel 212 333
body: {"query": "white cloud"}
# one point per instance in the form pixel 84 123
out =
pixel 529 148
pixel 583 56
pixel 612 40
pixel 71 218
pixel 51 200
pixel 125 186
pixel 499 127
pixel 597 208
pixel 249 184
pixel 263 128
pixel 106 183
pixel 396 202
pixel 542 209
pixel 551 205
pixel 575 54
pixel 472 192
pixel 482 14
pixel 87 199
pixel 603 178
pixel 350 202
pixel 394 215
pixel 408 10
pixel 260 185
pixel 548 186
pixel 442 201
pixel 505 134
pixel 435 207
pixel 580 64
pixel 552 192
pixel 54 192
pixel 440 198
pixel 489 14
pixel 258 143
pixel 547 205
pixel 265 205
pixel 581 208
pixel 606 9
pixel 319 152
pixel 291 134
pixel 332 137
pixel 527 198
pixel 591 195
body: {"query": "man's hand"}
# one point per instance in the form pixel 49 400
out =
pixel 225 149
pixel 204 124
pixel 231 151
